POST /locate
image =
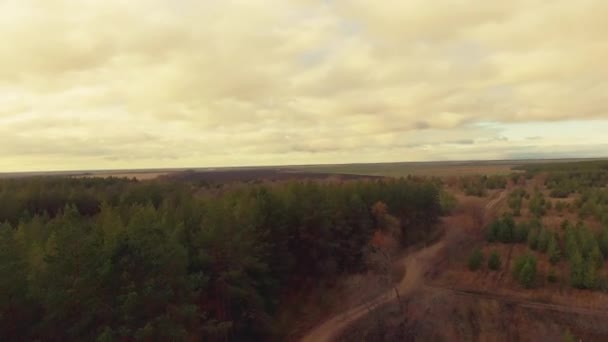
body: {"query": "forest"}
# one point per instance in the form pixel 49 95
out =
pixel 123 260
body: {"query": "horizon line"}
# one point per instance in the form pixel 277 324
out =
pixel 199 168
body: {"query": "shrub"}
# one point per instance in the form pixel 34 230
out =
pixel 525 270
pixel 503 230
pixel 559 193
pixel 447 202
pixel 521 232
pixel 553 250
pixel 568 337
pixel 496 182
pixel 543 240
pixel 590 275
pixel 494 261
pixel 492 233
pixel 577 271
pixel 533 238
pixel 603 242
pixel 475 260
pixel 505 233
pixel 552 276
pixel 527 275
pixel 537 205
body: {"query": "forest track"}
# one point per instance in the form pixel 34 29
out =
pixel 519 301
pixel 492 205
pixel 417 265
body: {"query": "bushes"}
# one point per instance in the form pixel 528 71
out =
pixel 473 186
pixel 515 200
pixel 560 193
pixel 585 256
pixel 533 238
pixel 494 261
pixel 447 202
pixel 493 230
pixel 477 185
pixel 552 276
pixel 543 240
pixel 538 206
pixel 503 230
pixel 524 270
pixel 584 250
pixel 603 242
pixel 590 278
pixel 475 260
pixel 496 182
pixel 577 271
pixel 521 232
pixel 560 206
pixel 568 337
pixel 553 249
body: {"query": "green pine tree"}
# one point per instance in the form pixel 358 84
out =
pixel 553 249
pixel 528 274
pixel 577 270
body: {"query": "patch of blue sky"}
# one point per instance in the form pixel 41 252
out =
pixel 571 131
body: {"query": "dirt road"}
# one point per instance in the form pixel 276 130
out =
pixel 514 300
pixel 416 265
pixel 493 203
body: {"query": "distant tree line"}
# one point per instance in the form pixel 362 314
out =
pixel 564 179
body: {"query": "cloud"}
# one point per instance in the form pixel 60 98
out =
pixel 129 84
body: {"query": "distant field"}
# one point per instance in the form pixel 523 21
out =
pixel 138 174
pixel 417 169
pixel 435 169
pixel 125 174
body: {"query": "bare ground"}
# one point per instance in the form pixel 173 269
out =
pixel 415 264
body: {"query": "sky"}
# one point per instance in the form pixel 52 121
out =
pixel 110 84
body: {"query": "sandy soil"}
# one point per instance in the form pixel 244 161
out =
pixel 415 264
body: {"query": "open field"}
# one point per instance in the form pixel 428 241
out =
pixel 432 169
pixel 436 169
pixel 145 174
pixel 399 169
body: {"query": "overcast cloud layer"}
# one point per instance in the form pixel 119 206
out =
pixel 89 84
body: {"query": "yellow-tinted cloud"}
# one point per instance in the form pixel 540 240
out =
pixel 113 83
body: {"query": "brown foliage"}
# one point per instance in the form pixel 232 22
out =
pixel 379 210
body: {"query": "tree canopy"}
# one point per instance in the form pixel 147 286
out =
pixel 116 259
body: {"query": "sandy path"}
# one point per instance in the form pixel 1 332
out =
pixel 495 201
pixel 416 265
pixel 523 302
